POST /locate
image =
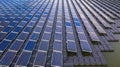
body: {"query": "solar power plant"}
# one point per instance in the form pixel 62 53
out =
pixel 57 33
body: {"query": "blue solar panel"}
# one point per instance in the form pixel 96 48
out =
pixel 23 36
pixel 68 24
pixel 7 29
pixel 37 29
pixel 13 24
pixel 24 59
pixel 57 59
pixel 77 24
pixel 16 45
pixel 85 46
pixel 58 36
pixel 44 45
pixel 30 45
pixel 57 46
pixel 71 46
pixel 40 59
pixel 34 36
pixel 46 36
pixel 4 44
pixel 2 35
pixel 7 59
pixel 27 29
pixel 17 29
pixel 75 19
pixel 11 36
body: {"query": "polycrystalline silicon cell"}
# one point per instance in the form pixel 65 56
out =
pixel 57 59
pixel 77 24
pixel 30 45
pixel 34 36
pixel 11 36
pixel 17 29
pixel 71 46
pixel 57 46
pixel 7 58
pixel 70 36
pixel 75 19
pixel 44 45
pixel 37 29
pixel 2 35
pixel 82 36
pixel 85 46
pixel 24 59
pixel 68 24
pixel 7 29
pixel 4 44
pixel 46 36
pixel 27 29
pixel 58 36
pixel 40 59
pixel 13 24
pixel 16 45
pixel 23 36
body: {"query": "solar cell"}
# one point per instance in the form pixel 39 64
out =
pixel 30 45
pixel 13 24
pixel 8 58
pixel 23 59
pixel 40 59
pixel 46 36
pixel 2 35
pixel 23 36
pixel 7 29
pixel 57 59
pixel 44 45
pixel 71 46
pixel 85 46
pixel 27 29
pixel 11 36
pixel 57 46
pixel 68 24
pixel 16 45
pixel 58 36
pixel 17 29
pixel 34 36
pixel 4 44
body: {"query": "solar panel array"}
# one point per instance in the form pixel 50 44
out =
pixel 57 32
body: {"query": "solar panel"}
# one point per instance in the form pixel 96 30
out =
pixel 44 45
pixel 23 36
pixel 85 46
pixel 71 46
pixel 7 29
pixel 68 24
pixel 4 44
pixel 27 29
pixel 34 36
pixel 46 36
pixel 58 36
pixel 7 59
pixel 2 35
pixel 16 45
pixel 30 46
pixel 23 59
pixel 70 36
pixel 37 29
pixel 40 59
pixel 17 29
pixel 57 59
pixel 57 46
pixel 11 36
pixel 13 24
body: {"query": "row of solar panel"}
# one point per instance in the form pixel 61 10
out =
pixel 85 46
